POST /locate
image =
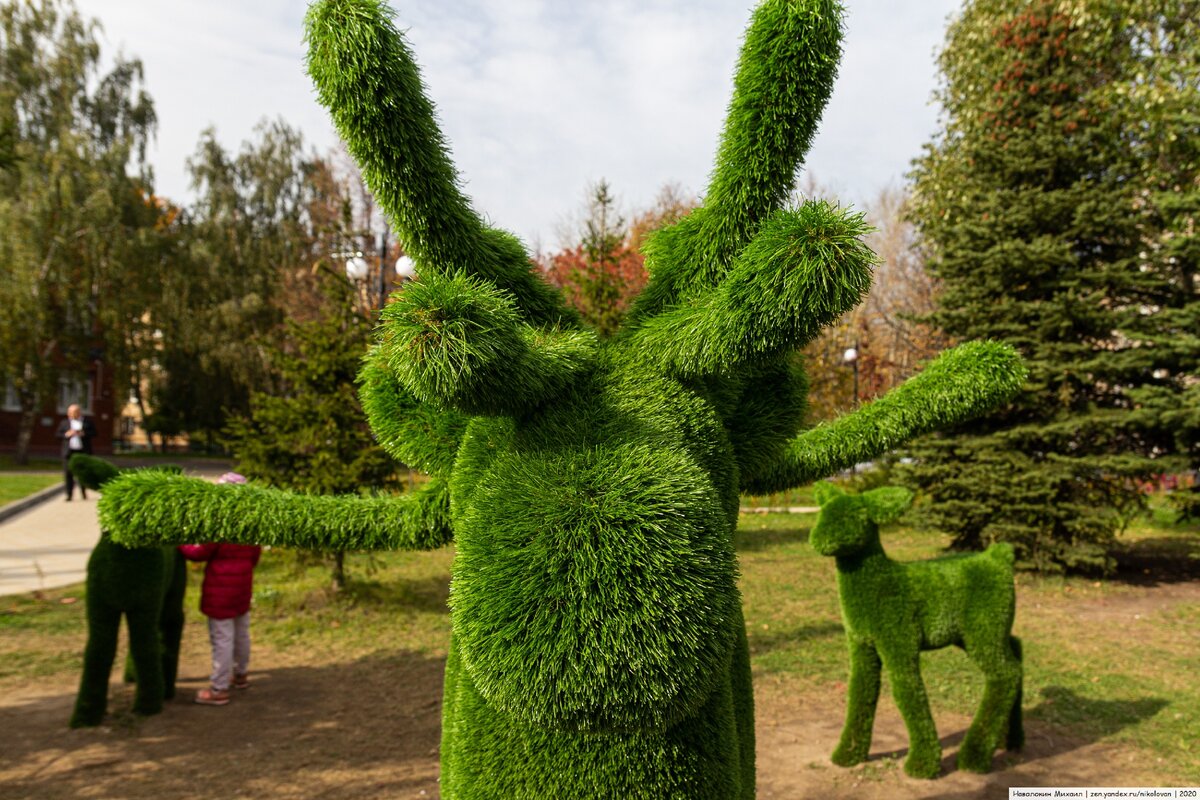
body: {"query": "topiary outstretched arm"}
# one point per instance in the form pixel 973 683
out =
pixel 785 75
pixel 959 384
pixel 145 508
pixel 367 78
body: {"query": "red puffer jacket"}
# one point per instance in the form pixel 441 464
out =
pixel 228 578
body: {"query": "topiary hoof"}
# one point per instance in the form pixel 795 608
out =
pixel 921 765
pixel 974 763
pixel 847 757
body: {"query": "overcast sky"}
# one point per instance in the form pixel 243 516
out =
pixel 539 98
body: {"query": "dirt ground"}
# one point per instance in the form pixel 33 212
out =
pixel 371 728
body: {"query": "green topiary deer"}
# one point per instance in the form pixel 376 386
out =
pixel 893 611
pixel 591 485
pixel 146 585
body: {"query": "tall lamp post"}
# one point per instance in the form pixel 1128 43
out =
pixel 850 358
pixel 358 269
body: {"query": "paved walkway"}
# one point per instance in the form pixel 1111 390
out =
pixel 48 545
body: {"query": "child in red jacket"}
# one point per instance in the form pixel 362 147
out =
pixel 225 600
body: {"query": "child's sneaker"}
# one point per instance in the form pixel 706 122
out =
pixel 212 697
pixel 241 681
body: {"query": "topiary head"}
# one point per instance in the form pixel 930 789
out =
pixel 93 473
pixel 848 524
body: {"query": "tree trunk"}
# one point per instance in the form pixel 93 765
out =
pixel 29 413
pixel 339 570
pixel 141 407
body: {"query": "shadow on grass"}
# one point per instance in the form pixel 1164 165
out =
pixel 752 540
pixel 767 641
pixel 1158 560
pixel 366 728
pixel 1061 722
pixel 426 594
pixel 1095 718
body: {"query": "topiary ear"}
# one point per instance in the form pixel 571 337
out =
pixel 824 491
pixel 887 503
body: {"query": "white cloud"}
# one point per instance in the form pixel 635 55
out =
pixel 539 98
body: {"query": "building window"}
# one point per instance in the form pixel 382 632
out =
pixel 74 390
pixel 11 401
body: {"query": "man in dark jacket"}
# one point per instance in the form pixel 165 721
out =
pixel 75 433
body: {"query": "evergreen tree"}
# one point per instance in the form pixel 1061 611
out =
pixel 77 240
pixel 1051 207
pixel 602 274
pixel 312 436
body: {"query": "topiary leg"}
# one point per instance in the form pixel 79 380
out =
pixel 1015 738
pixel 171 620
pixel 862 699
pixel 1003 671
pixel 104 624
pixel 924 750
pixel 146 650
pixel 743 706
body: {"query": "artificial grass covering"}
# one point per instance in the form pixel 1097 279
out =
pixel 892 611
pixel 149 507
pixel 591 485
pixel 144 584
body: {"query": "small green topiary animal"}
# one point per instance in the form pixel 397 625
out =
pixel 590 485
pixel 147 585
pixel 893 611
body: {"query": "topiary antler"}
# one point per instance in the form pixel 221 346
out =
pixel 784 78
pixel 367 78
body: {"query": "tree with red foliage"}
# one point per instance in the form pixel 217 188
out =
pixel 602 274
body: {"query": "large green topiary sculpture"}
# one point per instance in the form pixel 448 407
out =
pixel 147 586
pixel 591 486
pixel 893 611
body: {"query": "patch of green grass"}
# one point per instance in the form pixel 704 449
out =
pixel 36 464
pixel 792 497
pixel 40 634
pixel 393 601
pixel 45 613
pixel 16 486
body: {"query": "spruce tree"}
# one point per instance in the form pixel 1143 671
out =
pixel 1051 227
pixel 313 436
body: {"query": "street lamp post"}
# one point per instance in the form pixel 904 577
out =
pixel 358 269
pixel 383 241
pixel 850 357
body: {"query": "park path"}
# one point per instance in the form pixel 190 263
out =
pixel 48 545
